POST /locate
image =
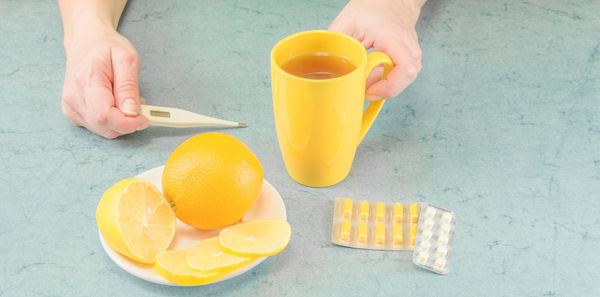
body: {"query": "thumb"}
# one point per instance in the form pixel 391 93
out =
pixel 126 67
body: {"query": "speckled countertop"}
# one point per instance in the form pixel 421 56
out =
pixel 502 126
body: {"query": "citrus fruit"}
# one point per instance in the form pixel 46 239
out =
pixel 172 266
pixel 135 219
pixel 211 180
pixel 256 238
pixel 208 256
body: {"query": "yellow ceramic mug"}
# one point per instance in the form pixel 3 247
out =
pixel 320 123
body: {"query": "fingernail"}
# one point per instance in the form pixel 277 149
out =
pixel 373 97
pixel 129 107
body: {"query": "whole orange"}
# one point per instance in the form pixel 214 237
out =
pixel 211 180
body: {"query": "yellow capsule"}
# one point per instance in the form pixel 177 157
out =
pixel 413 234
pixel 347 209
pixel 380 212
pixel 345 233
pixel 414 213
pixel 380 233
pixel 397 233
pixel 362 232
pixel 364 211
pixel 398 213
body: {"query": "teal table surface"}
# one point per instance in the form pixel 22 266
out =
pixel 502 126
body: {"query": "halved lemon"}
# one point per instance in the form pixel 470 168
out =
pixel 135 219
pixel 256 238
pixel 172 266
pixel 208 256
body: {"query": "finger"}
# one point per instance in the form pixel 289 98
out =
pixel 75 118
pixel 367 42
pixel 71 102
pixel 102 114
pixel 374 76
pixel 100 130
pixel 119 122
pixel 406 67
pixel 397 80
pixel 126 68
pixel 109 134
pixel 349 29
pixel 104 132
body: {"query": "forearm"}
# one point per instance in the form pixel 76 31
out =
pixel 420 3
pixel 408 9
pixel 414 6
pixel 82 16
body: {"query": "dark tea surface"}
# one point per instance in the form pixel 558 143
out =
pixel 318 65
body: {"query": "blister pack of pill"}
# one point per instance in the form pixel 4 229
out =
pixel 375 225
pixel 435 238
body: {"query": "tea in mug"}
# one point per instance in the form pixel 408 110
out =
pixel 318 65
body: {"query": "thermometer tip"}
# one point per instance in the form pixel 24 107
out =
pixel 242 125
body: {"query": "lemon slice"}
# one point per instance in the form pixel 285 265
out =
pixel 172 266
pixel 135 220
pixel 208 256
pixel 256 238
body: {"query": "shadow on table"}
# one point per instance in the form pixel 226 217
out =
pixel 160 132
pixel 242 284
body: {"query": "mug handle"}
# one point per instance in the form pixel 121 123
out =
pixel 374 59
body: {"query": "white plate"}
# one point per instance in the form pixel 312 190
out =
pixel 268 205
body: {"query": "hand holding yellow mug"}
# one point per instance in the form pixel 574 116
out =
pixel 320 122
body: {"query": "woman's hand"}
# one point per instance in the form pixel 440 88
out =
pixel 387 26
pixel 101 90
